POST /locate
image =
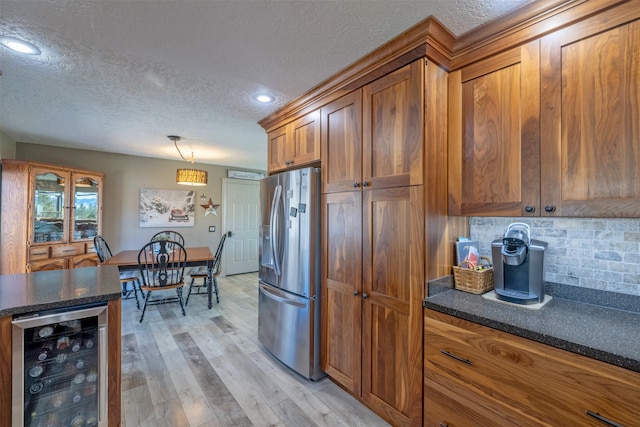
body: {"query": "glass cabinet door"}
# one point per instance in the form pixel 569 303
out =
pixel 49 206
pixel 86 206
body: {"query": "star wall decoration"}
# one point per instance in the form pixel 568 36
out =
pixel 210 208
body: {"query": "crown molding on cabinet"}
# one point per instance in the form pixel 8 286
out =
pixel 434 41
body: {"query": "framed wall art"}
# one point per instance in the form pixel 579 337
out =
pixel 167 208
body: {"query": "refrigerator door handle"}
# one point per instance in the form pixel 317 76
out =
pixel 273 231
pixel 270 294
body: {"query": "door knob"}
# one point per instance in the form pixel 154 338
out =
pixel 229 233
pixel 529 209
pixel 365 296
pixel 355 292
pixel 550 208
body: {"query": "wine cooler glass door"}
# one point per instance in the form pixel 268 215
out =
pixel 59 368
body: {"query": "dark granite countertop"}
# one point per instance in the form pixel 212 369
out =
pixel 597 324
pixel 45 290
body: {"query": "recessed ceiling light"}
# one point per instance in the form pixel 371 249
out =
pixel 19 45
pixel 264 98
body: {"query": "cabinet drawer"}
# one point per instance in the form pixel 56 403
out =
pixel 533 379
pixel 39 252
pixel 442 407
pixel 67 250
pixel 90 248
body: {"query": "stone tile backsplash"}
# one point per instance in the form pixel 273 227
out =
pixel 594 253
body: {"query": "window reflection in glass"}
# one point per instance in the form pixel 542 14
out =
pixel 49 206
pixel 85 212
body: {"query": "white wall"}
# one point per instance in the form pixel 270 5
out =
pixel 124 177
pixel 7 147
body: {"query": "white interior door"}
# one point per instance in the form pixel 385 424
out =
pixel 241 218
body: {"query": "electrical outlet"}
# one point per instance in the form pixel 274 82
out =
pixel 212 228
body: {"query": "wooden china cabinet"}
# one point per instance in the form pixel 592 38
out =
pixel 50 215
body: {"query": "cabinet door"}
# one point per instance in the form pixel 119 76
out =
pixel 393 128
pixel 591 118
pixel 86 206
pixel 49 213
pixel 494 135
pixel 342 288
pixel 49 264
pixel 393 291
pixel 277 150
pixel 341 138
pixel 86 260
pixel 304 146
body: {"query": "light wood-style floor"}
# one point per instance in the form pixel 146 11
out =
pixel 209 369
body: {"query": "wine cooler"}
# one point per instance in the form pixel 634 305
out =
pixel 60 368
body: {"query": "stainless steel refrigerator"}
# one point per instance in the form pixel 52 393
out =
pixel 289 301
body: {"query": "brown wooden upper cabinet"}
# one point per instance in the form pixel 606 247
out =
pixel 590 118
pixel 295 144
pixel 494 160
pixel 373 137
pixel 551 128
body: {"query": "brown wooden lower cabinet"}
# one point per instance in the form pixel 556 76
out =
pixel 443 408
pixel 87 260
pixel 373 274
pixel 475 375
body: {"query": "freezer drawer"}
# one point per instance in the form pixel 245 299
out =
pixel 288 326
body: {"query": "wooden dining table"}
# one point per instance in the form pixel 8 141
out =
pixel 196 256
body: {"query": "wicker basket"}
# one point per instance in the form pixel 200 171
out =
pixel 472 280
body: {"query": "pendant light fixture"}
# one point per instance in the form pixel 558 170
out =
pixel 187 176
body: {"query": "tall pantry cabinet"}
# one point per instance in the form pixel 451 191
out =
pixel 373 242
pixel 50 215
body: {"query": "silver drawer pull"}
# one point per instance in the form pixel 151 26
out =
pixel 66 251
pixel 461 359
pixel 605 420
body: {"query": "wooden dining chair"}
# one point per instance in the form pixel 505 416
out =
pixel 202 272
pixel 168 235
pixel 162 266
pixel 126 277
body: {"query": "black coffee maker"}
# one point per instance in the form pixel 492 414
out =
pixel 518 263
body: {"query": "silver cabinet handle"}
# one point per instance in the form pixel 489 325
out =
pixel 458 358
pixel 605 420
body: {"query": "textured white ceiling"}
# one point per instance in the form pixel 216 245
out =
pixel 120 75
